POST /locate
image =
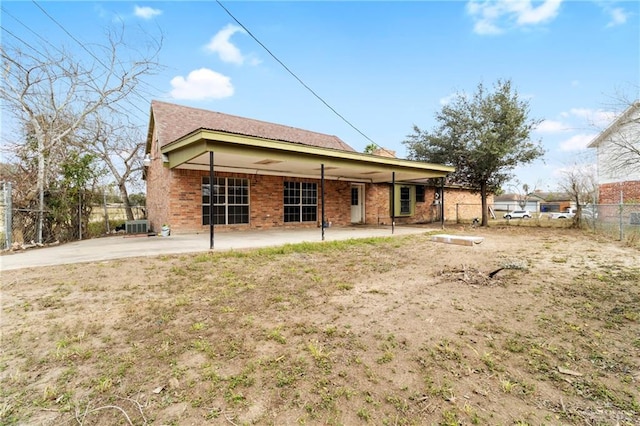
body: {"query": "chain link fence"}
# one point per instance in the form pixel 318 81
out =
pixel 19 226
pixel 617 221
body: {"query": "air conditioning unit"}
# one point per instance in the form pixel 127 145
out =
pixel 137 226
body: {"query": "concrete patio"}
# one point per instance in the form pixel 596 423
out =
pixel 120 246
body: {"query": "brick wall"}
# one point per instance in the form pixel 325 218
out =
pixel 609 193
pixel 174 197
pixel 181 206
pixel 158 179
pixel 460 204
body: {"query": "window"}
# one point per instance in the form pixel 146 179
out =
pixel 405 200
pixel 300 202
pixel 355 196
pixel 231 201
pixel 420 189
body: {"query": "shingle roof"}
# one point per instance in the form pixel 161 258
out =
pixel 175 121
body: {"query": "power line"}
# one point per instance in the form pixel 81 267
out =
pixel 88 51
pixel 295 76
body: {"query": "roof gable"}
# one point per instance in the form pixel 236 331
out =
pixel 634 108
pixel 175 121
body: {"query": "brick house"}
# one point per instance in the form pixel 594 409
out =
pixel 618 151
pixel 268 175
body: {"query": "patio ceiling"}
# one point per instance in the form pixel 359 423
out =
pixel 246 154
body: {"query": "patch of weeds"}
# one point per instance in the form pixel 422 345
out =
pixel 599 391
pixel 443 390
pixel 330 331
pixel 276 335
pixel 233 348
pixel 449 418
pixel 364 414
pixel 244 379
pixel 104 384
pixel 182 301
pixel 490 327
pixel 51 302
pixel 470 412
pixel 318 353
pixel 514 344
pixel 177 270
pixel 344 286
pixel 385 358
pixel 201 345
pixel 489 360
pixel 398 403
pixel 446 350
pixel 507 386
pixel 197 326
pixel 288 376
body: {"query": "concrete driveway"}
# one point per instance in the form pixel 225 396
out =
pixel 117 247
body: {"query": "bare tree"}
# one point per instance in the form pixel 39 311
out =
pixel 119 146
pixel 581 184
pixel 619 143
pixel 523 192
pixel 53 93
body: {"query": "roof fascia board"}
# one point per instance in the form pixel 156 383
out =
pixel 200 141
pixel 604 135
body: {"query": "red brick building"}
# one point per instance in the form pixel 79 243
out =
pixel 269 175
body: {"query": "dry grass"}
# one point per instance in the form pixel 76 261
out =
pixel 382 331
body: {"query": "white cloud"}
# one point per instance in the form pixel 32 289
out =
pixel 497 16
pixel 597 117
pixel 579 167
pixel 146 12
pixel 202 84
pixel 552 126
pixel 447 99
pixel 577 142
pixel 618 17
pixel 221 45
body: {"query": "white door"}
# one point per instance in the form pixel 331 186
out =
pixel 357 203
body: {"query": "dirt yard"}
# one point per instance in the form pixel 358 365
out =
pixel 400 330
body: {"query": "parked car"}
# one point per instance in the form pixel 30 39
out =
pixel 567 214
pixel 518 214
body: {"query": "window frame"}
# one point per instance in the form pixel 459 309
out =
pixel 223 208
pixel 300 202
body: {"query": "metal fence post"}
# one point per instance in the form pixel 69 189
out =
pixel 8 214
pixel 620 224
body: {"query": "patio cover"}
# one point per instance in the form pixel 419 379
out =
pixel 256 155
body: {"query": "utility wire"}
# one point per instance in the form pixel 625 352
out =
pixel 85 49
pixel 294 75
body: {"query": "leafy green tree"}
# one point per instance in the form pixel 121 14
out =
pixel 370 149
pixel 71 196
pixel 484 136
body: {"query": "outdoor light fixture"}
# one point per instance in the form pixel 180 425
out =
pixel 147 159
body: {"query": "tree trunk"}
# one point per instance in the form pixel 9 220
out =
pixel 483 197
pixel 125 200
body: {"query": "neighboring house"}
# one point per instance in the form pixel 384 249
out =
pixel 509 202
pixel 268 175
pixel 618 150
pixel 554 201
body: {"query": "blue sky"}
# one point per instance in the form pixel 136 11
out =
pixel 384 66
